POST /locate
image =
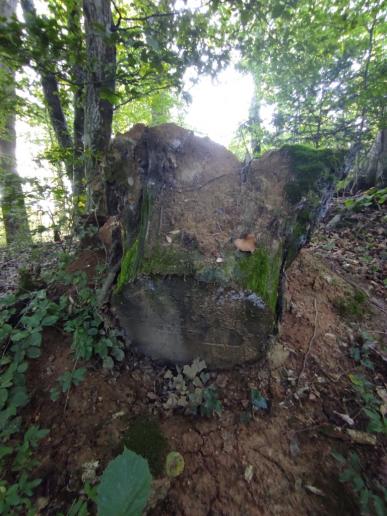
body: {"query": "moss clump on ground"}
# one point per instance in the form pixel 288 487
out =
pixel 260 273
pixel 146 438
pixel 312 168
pixel 351 306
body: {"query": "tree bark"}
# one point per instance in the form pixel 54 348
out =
pixel 100 84
pixel 52 98
pixel 77 72
pixel 12 198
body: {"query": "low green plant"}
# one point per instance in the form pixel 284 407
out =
pixel 360 352
pixel 372 197
pixel 365 390
pixel 372 497
pixel 85 323
pixel 352 305
pixel 66 380
pixel 211 404
pixel 22 319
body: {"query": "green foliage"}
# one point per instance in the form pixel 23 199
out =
pixel 371 406
pixel 353 305
pixel 321 65
pixel 125 486
pixel 66 380
pixel 146 439
pixel 84 322
pixel 373 197
pixel 22 319
pixel 211 404
pixel 372 500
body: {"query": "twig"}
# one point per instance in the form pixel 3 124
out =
pixel 68 392
pixel 310 343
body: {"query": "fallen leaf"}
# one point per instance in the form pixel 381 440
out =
pixel 246 244
pixel 345 417
pixel 361 437
pixel 314 490
pixel 249 473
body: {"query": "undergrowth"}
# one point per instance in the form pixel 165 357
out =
pixel 369 492
pixel 23 319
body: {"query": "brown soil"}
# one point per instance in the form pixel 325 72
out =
pixel 288 448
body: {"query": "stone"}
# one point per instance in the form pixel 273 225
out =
pixel 183 202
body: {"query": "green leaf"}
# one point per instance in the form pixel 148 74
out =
pixel 54 394
pixel 33 352
pixel 108 363
pixel 78 375
pixel 118 354
pixel 50 320
pixel 125 486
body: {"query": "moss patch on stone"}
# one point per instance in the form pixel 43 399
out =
pixel 132 257
pixel 146 438
pixel 260 273
pixel 165 261
pixel 311 169
pixel 129 266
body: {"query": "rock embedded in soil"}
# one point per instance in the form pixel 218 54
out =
pixel 187 207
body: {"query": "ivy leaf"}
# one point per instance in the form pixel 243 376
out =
pixel 108 363
pixel 54 394
pixel 118 354
pixel 125 486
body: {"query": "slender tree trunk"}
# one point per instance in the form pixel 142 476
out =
pixel 12 198
pixel 77 72
pixel 100 83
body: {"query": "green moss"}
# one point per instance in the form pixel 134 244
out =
pixel 129 266
pixel 146 438
pixel 351 306
pixel 260 273
pixel 311 168
pixel 167 260
pixel 132 257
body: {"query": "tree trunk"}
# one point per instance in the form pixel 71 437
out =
pixel 12 197
pixel 100 84
pixel 77 72
pixel 52 98
pixel 373 170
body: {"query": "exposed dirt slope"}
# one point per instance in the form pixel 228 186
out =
pixel 287 450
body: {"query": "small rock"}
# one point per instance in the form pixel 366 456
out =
pixel 249 473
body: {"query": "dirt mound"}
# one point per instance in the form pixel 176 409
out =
pixel 255 462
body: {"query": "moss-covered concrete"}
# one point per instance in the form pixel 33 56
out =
pixel 260 273
pixel 311 168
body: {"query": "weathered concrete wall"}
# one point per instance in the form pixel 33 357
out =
pixel 187 207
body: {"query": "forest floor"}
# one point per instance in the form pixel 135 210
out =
pixel 270 457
